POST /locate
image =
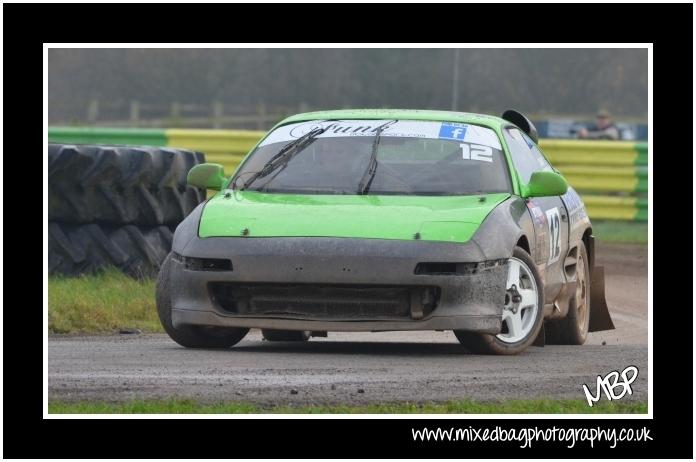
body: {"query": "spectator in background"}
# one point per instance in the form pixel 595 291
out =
pixel 603 129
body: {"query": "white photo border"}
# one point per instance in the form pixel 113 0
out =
pixel 648 46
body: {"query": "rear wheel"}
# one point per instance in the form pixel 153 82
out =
pixel 522 313
pixel 573 329
pixel 273 335
pixel 191 336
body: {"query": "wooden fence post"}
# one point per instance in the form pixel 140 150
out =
pixel 174 114
pixel 261 121
pixel 134 113
pixel 217 114
pixel 93 111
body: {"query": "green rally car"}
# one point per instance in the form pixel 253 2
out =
pixel 381 220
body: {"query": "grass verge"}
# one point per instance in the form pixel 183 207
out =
pixel 101 303
pixel 630 232
pixel 534 406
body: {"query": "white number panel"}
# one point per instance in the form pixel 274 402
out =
pixel 554 222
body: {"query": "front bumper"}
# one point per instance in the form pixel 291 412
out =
pixel 319 272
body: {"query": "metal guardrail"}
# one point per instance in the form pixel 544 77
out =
pixel 611 176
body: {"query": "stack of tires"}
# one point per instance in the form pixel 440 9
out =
pixel 116 206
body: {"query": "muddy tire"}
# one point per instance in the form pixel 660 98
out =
pixel 511 340
pixel 78 249
pixel 273 335
pixel 191 336
pixel 573 329
pixel 141 185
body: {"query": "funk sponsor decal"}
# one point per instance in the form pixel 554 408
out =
pixel 482 138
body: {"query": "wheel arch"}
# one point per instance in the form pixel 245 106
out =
pixel 523 242
pixel 507 226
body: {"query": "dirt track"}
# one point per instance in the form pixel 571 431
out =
pixel 396 366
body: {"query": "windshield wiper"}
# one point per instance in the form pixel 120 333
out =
pixel 369 174
pixel 284 155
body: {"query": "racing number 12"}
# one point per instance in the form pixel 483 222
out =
pixel 476 152
pixel 554 221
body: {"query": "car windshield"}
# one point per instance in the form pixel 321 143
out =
pixel 412 158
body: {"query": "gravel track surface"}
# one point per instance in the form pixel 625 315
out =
pixel 387 367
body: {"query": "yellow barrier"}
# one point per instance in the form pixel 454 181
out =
pixel 237 142
pixel 226 147
pixel 586 152
pixel 611 207
pixel 607 179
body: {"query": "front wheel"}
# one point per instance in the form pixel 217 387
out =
pixel 522 313
pixel 191 336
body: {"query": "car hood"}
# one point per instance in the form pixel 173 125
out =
pixel 431 218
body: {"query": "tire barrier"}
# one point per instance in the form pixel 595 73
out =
pixel 75 249
pixel 120 184
pixel 111 205
pixel 611 176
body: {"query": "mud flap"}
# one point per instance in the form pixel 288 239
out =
pixel 600 319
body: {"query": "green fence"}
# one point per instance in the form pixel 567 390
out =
pixel 612 176
pixel 107 136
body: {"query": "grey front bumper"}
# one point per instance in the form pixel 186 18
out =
pixel 472 301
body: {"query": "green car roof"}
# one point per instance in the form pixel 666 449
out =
pixel 402 114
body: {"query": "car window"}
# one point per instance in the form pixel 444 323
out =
pixel 526 156
pixel 414 158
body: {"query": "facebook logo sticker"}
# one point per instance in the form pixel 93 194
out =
pixel 452 131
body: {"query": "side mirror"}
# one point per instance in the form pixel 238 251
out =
pixel 545 184
pixel 207 176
